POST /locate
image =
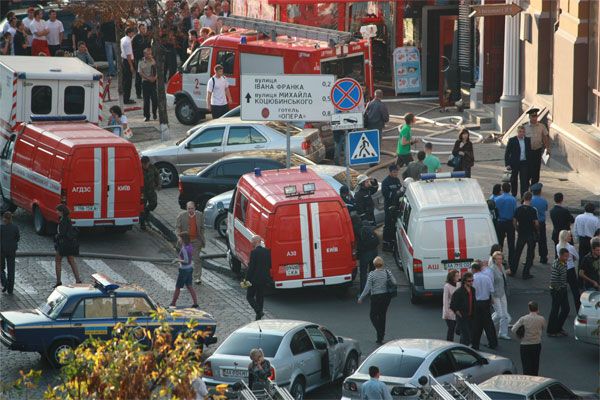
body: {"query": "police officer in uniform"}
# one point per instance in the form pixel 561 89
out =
pixel 348 199
pixel 389 188
pixel 365 207
pixel 540 140
pixel 151 185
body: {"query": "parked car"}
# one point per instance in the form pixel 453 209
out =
pixel 587 322
pixel 214 139
pixel 526 387
pixel 402 362
pixel 303 355
pixel 200 184
pixel 74 312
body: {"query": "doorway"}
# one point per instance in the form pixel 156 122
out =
pixel 493 62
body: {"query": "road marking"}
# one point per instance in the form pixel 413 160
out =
pixel 214 281
pixel 21 284
pixel 67 276
pixel 157 274
pixel 103 268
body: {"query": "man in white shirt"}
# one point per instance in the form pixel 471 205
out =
pixel 217 93
pixel 128 64
pixel 27 21
pixel 56 32
pixel 584 228
pixel 39 44
pixel 209 19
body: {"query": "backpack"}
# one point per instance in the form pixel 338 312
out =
pixel 368 238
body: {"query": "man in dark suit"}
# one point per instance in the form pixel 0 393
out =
pixel 258 272
pixel 561 219
pixel 517 159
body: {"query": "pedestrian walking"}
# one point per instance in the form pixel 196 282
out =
pixel 506 205
pixel 151 185
pixel 527 226
pixel 532 325
pixel 558 292
pixel 501 318
pixel 561 219
pixel 367 244
pixel 463 305
pixel 517 159
pixel 365 206
pixel 109 35
pixel 128 64
pixel 373 389
pixel 463 153
pixel 217 93
pixel 186 269
pixel 378 285
pixel 414 169
pixel 140 42
pixel 9 242
pixel 259 275
pixel 584 228
pixel 147 71
pixel 56 32
pixel 564 239
pixel 484 290
pixel 541 206
pixel 259 370
pixel 192 222
pixel 376 114
pixel 540 141
pixel 589 266
pixel 431 161
pixel 39 44
pixel 405 141
pixel 390 187
pixel 447 314
pixel 66 244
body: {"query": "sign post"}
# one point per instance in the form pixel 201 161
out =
pixel 495 10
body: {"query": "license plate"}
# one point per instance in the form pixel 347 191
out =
pixel 292 270
pixel 86 208
pixel 457 265
pixel 234 373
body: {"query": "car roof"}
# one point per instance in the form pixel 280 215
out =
pixel 517 384
pixel 416 347
pixel 79 289
pixel 277 327
pixel 446 193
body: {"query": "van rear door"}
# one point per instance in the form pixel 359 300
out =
pixel 83 183
pixel 75 98
pixel 125 182
pixel 332 238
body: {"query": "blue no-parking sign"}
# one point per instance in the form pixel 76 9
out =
pixel 363 147
pixel 346 94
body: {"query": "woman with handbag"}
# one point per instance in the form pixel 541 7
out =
pixel 381 285
pixel 452 283
pixel 463 157
pixel 66 244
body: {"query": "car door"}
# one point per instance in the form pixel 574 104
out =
pixel 307 360
pixel 470 365
pixel 442 367
pixel 337 354
pixel 135 307
pixel 195 75
pixel 243 138
pixel 94 316
pixel 205 147
pixel 228 174
pixel 322 346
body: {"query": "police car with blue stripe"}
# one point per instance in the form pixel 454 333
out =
pixel 72 313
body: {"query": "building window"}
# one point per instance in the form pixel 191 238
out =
pixel 594 65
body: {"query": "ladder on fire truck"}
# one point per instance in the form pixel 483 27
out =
pixel 461 390
pixel 276 28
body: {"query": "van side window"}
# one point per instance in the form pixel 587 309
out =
pixel 41 100
pixel 227 60
pixel 406 216
pixel 74 100
pixel 199 63
pixel 241 208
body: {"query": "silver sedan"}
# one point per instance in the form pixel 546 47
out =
pixel 210 141
pixel 588 318
pixel 402 362
pixel 303 355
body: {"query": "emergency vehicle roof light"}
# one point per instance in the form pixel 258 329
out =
pixel 290 190
pixel 103 283
pixel 302 167
pixel 308 188
pixel 442 175
pixel 243 40
pixel 59 118
pixel 257 172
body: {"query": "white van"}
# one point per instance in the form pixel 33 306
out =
pixel 443 223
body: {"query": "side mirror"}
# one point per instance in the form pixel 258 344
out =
pixel 340 339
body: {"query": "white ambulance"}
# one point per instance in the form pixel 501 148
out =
pixel 443 223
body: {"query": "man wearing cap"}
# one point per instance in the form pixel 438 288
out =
pixel 540 140
pixel 365 207
pixel 541 206
pixel 389 188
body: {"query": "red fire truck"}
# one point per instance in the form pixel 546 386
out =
pixel 266 47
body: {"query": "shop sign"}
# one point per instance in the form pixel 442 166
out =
pixel 407 70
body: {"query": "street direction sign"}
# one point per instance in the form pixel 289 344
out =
pixel 347 121
pixel 364 147
pixel 494 10
pixel 286 97
pixel 346 94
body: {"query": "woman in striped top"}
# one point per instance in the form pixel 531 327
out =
pixel 377 287
pixel 186 268
pixel 558 291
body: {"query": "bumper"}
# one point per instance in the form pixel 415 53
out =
pixel 170 100
pixel 105 222
pixel 12 345
pixel 581 334
pixel 323 281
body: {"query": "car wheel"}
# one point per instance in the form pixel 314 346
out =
pixel 39 222
pixel 414 298
pixel 221 225
pixel 168 174
pixel 186 112
pixel 397 258
pixel 297 389
pixel 58 347
pixel 351 364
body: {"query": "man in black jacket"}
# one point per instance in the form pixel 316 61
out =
pixel 517 160
pixel 139 43
pixel 9 240
pixel 365 207
pixel 463 305
pixel 259 269
pixel 390 187
pixel 561 219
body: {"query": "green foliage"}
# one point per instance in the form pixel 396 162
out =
pixel 21 388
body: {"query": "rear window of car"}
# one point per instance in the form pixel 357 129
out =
pixel 240 344
pixel 394 365
pixel 504 396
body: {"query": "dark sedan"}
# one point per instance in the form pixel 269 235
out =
pixel 201 184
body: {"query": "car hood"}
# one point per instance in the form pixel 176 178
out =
pixel 225 198
pixel 25 317
pixel 160 149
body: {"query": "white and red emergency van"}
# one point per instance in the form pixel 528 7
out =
pixel 52 151
pixel 303 222
pixel 443 223
pixel 290 50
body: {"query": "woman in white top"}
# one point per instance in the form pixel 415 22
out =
pixel 564 241
pixel 118 118
pixel 447 314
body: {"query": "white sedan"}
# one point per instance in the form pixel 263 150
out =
pixel 587 323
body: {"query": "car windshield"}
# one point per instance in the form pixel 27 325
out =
pixel 504 396
pixel 240 344
pixel 54 304
pixel 282 126
pixel 395 365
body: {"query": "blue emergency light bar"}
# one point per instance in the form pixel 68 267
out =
pixel 257 172
pixel 103 283
pixel 302 167
pixel 443 175
pixel 59 118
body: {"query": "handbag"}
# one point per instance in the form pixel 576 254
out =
pixel 128 133
pixel 520 332
pixel 454 161
pixel 392 288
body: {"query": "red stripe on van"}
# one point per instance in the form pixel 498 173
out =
pixel 450 238
pixel 462 238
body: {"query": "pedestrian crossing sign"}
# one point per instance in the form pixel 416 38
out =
pixel 364 147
